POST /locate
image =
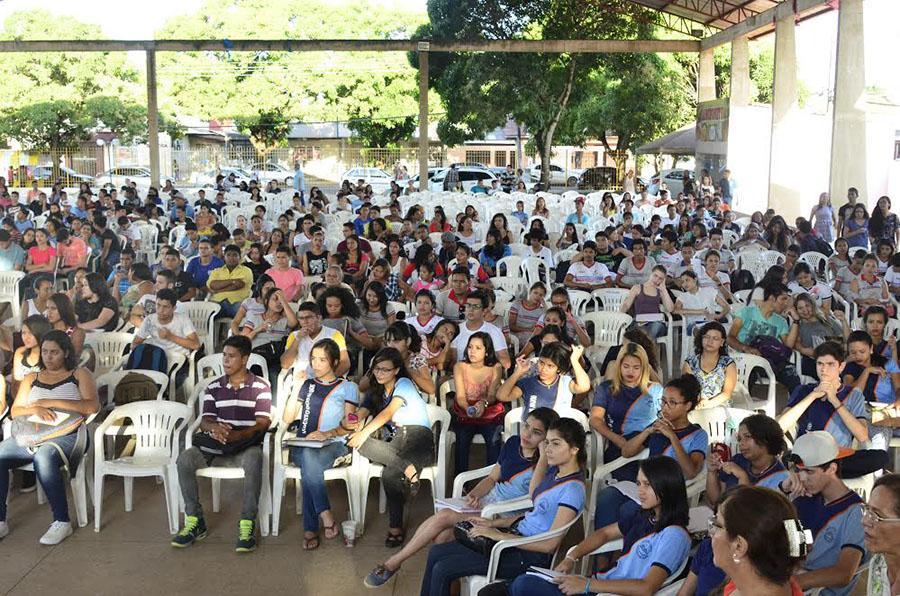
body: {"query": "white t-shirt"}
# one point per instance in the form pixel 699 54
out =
pixel 544 254
pixel 704 299
pixel 180 325
pixel 148 303
pixel 818 292
pixel 462 340
pixel 301 361
pixel 594 275
pixel 669 261
pixel 672 222
pixel 424 328
pixel 893 280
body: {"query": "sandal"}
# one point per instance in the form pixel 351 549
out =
pixel 394 540
pixel 411 484
pixel 310 542
pixel 332 531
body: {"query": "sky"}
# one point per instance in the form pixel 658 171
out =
pixel 815 37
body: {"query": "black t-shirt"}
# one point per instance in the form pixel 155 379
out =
pixel 846 211
pixel 114 246
pixel 88 311
pixel 183 283
pixel 318 263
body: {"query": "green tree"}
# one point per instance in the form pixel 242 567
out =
pixel 47 125
pixel 267 130
pixel 481 90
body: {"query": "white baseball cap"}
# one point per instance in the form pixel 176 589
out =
pixel 817 448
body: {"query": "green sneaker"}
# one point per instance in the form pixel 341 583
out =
pixel 246 542
pixel 194 530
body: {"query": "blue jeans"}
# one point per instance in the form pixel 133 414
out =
pixel 313 463
pixel 464 435
pixel 530 585
pixel 229 309
pixel 452 560
pixel 655 329
pixel 47 463
pixel 611 507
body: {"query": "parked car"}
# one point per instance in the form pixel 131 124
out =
pixel 469 176
pixel 674 180
pixel 597 178
pixel 264 172
pixel 378 178
pixel 415 179
pixel 117 176
pixel 208 179
pixel 558 176
pixel 48 175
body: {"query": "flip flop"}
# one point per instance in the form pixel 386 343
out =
pixel 332 531
pixel 310 542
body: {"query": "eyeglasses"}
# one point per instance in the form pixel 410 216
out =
pixel 713 526
pixel 712 338
pixel 876 519
pixel 671 403
pixel 474 307
pixel 380 370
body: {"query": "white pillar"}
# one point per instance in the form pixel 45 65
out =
pixel 706 77
pixel 740 72
pixel 848 137
pixel 152 118
pixel 423 115
pixel 784 196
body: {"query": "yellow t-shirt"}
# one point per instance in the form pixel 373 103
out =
pixel 241 273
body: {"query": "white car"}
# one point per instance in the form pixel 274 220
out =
pixel 264 172
pixel 208 179
pixel 469 177
pixel 558 175
pixel 117 176
pixel 674 180
pixel 378 178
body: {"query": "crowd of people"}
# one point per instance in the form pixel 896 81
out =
pixel 375 308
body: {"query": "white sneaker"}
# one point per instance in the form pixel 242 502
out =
pixel 58 532
pixel 4 529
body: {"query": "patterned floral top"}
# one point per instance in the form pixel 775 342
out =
pixel 712 382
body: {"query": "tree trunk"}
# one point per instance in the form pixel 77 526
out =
pixel 562 102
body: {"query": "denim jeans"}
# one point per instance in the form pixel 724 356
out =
pixel 464 435
pixel 452 560
pixel 655 329
pixel 191 460
pixel 229 309
pixel 411 445
pixel 313 463
pixel 612 506
pixel 530 585
pixel 47 463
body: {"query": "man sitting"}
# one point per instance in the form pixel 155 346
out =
pixel 236 412
pixel 300 343
pixel 230 284
pixel 476 303
pixel 200 267
pixel 171 331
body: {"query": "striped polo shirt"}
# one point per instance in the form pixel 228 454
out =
pixel 238 406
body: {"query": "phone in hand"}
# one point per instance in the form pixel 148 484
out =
pixel 722 450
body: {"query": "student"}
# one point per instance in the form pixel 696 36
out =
pixel 551 387
pixel 587 274
pixel 425 320
pixel 525 313
pixel 806 283
pixel 635 269
pixel 655 545
pixel 558 493
pixel 320 408
pixel 672 435
pixel 875 321
pixel 712 366
pixel 760 444
pixel 166 329
pixel 877 377
pixel 834 407
pixel 476 304
pixel 397 406
pixel 697 305
pixel 508 479
pixel 646 302
pixel 830 510
pixel 287 279
pixel 879 519
pixel 559 300
pixel 299 344
pixel 236 408
pixel 199 268
pixel 451 303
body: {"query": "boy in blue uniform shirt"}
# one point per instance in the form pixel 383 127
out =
pixel 830 510
pixel 833 407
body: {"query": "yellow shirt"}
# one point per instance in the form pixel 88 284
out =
pixel 241 273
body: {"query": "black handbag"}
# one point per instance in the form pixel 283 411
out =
pixel 212 448
pixel 480 544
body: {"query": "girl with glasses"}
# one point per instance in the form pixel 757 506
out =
pixel 711 365
pixel 881 522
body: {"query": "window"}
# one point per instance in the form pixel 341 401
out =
pixel 478 157
pixel 500 158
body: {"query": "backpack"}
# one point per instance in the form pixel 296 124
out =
pixel 741 279
pixel 148 357
pixel 135 387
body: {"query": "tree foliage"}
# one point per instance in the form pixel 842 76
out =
pixel 267 129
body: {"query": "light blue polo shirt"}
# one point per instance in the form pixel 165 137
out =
pixel 551 494
pixel 644 547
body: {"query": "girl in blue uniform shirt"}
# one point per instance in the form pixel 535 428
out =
pixel 551 387
pixel 760 444
pixel 509 479
pixel 558 492
pixel 627 402
pixel 398 411
pixel 673 435
pixel 319 410
pixel 656 542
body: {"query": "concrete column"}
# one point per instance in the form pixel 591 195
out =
pixel 152 118
pixel 784 196
pixel 423 115
pixel 740 72
pixel 706 77
pixel 848 137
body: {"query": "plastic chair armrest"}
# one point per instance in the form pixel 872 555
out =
pixel 520 504
pixel 464 477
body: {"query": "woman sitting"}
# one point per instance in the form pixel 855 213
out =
pixel 509 479
pixel 403 337
pixel 254 305
pixel 26 358
pixel 761 443
pixel 341 313
pixel 97 309
pixel 814 328
pixel 59 385
pixel 320 408
pixel 551 387
pixel 269 330
pixel 399 410
pixel 43 287
pixel 656 542
pixel 712 366
pixel 525 313
pixel 376 314
pixel 558 492
pixel 868 289
pixel 436 345
pixel 61 315
pixel 476 410
pixel 879 521
pixel 647 302
pixel 672 435
pixel 493 250
pixel 877 377
pixel 875 320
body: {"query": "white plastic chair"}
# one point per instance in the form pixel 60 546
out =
pixel 579 300
pixel 111 379
pixel 531 271
pixel 285 470
pixel 609 330
pixel 156 426
pixel 745 364
pixel 109 349
pixel 610 299
pixel 512 285
pixel 816 261
pixel 9 291
pixel 435 474
pixel 202 315
pixel 600 476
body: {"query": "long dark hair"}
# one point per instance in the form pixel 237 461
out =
pixel 571 431
pixel 864 337
pixel 65 309
pixel 667 481
pixel 876 220
pixel 260 282
pixel 348 304
pixel 434 331
pixel 711 326
pixel 494 251
pixel 97 285
pixel 378 288
pixel 376 390
pixel 70 362
pixel 490 356
pixel 403 331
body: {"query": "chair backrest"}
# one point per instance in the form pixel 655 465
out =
pixel 109 347
pixel 729 237
pixel 211 367
pixel 609 327
pixel 611 299
pixel 747 362
pixel 579 300
pixel 531 271
pixel 201 315
pixel 816 261
pixel 720 423
pixel 512 285
pixel 112 379
pixel 509 266
pixel 154 425
pixel 399 307
pixel 742 297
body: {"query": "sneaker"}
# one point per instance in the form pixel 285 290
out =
pixel 378 577
pixel 58 532
pixel 246 542
pixel 29 482
pixel 194 531
pixel 4 529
